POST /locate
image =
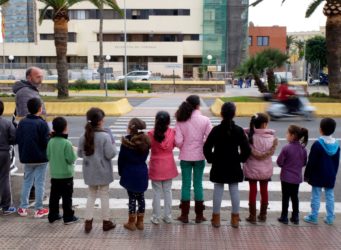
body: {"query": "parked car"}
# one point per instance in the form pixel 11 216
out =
pixel 143 75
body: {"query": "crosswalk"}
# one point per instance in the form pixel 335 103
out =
pixel 120 201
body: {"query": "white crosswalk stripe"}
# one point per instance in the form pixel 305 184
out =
pixel 119 129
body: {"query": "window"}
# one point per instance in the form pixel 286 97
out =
pixel 72 37
pixel 249 42
pixel 262 40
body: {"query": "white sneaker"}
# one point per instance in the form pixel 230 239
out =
pixel 154 220
pixel 167 219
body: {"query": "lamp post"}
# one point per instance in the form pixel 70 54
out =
pixel 107 58
pixel 209 58
pixel 11 58
pixel 125 50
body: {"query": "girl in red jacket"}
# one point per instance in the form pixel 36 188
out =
pixel 162 167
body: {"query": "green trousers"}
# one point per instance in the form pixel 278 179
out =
pixel 186 171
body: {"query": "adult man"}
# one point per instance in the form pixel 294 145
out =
pixel 287 96
pixel 25 90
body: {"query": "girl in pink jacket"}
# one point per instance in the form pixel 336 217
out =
pixel 162 167
pixel 259 167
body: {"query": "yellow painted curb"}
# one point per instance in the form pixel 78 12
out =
pixel 115 108
pixel 250 108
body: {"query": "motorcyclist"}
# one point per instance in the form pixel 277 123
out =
pixel 287 96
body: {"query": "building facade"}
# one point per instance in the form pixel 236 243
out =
pixel 261 38
pixel 162 36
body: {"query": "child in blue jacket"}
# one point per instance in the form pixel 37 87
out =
pixel 321 171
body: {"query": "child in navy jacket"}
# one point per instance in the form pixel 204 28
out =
pixel 321 171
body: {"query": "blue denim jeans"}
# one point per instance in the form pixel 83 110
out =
pixel 34 173
pixel 315 202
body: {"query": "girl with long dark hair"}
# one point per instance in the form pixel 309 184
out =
pixel 226 147
pixel 191 131
pixel 162 167
pixel 97 148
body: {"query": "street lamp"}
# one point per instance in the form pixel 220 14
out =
pixel 209 58
pixel 125 50
pixel 11 58
pixel 107 58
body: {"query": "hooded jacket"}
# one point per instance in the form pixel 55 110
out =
pixel 131 163
pixel 161 164
pixel 25 91
pixel 259 165
pixel 323 163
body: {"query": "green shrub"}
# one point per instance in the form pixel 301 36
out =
pixel 81 84
pixel 319 94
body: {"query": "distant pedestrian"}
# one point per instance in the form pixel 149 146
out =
pixel 321 171
pixel 162 167
pixel 7 138
pixel 97 149
pixel 258 167
pixel 32 137
pixel 133 170
pixel 291 160
pixel 226 147
pixel 240 82
pixel 191 131
pixel 61 157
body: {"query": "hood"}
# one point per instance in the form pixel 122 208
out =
pixel 329 144
pixel 139 142
pixel 168 142
pixel 22 84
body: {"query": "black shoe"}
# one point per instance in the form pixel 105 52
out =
pixel 73 220
pixel 283 220
pixel 295 220
pixel 55 218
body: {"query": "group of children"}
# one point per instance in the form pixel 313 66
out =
pixel 226 146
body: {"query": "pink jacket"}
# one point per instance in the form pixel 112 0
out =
pixel 161 164
pixel 191 135
pixel 259 165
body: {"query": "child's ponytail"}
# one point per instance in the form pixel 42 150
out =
pixel 257 121
pixel 301 134
pixel 93 117
pixel 304 136
pixel 162 121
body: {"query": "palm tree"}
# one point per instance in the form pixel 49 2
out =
pixel 100 4
pixel 290 41
pixel 332 9
pixel 3 2
pixel 268 60
pixel 60 18
pixel 300 44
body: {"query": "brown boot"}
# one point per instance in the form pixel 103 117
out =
pixel 199 211
pixel 108 225
pixel 130 225
pixel 215 221
pixel 235 220
pixel 139 222
pixel 184 205
pixel 263 211
pixel 252 217
pixel 88 225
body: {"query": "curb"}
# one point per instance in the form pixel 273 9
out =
pixel 250 108
pixel 116 108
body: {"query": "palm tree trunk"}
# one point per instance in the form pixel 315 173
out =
pixel 60 41
pixel 271 80
pixel 261 87
pixel 333 41
pixel 100 38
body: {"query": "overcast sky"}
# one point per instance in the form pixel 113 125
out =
pixel 290 14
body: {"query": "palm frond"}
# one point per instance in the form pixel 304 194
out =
pixel 42 14
pixel 113 4
pixel 256 3
pixel 312 7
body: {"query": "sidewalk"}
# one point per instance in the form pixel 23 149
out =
pixel 30 233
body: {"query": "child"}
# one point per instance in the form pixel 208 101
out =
pixel 32 137
pixel 7 138
pixel 258 166
pixel 230 149
pixel 96 147
pixel 292 159
pixel 61 159
pixel 192 129
pixel 321 171
pixel 162 167
pixel 133 170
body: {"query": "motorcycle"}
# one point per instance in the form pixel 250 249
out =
pixel 277 109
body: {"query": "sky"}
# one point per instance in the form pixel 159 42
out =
pixel 291 14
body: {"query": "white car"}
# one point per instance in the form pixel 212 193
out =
pixel 143 75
